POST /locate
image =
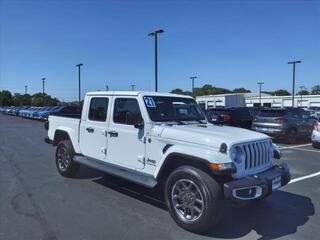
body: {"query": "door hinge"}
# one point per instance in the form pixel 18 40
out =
pixel 142 160
pixel 104 151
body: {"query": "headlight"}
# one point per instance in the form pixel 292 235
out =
pixel 237 154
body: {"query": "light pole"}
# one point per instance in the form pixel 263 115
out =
pixel 301 89
pixel 43 100
pixel 79 76
pixel 293 78
pixel 260 85
pixel 132 87
pixel 155 35
pixel 107 88
pixel 25 90
pixel 193 78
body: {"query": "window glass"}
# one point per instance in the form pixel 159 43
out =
pixel 126 111
pixel 98 109
pixel 161 109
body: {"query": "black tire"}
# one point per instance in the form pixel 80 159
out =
pixel 210 192
pixel 64 159
pixel 292 136
pixel 315 145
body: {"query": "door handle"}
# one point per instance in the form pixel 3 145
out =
pixel 113 133
pixel 90 130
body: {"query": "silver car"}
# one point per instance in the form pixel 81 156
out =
pixel 284 123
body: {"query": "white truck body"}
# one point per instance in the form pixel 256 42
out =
pixel 130 151
pixel 150 138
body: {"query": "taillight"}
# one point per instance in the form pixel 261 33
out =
pixel 226 117
pixel 316 126
pixel 281 120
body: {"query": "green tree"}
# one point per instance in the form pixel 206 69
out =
pixel 315 90
pixel 6 98
pixel 241 90
pixel 177 91
pixel 281 92
pixel 303 92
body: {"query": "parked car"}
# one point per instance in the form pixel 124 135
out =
pixel 284 123
pixel 35 114
pixel 3 109
pixel 236 117
pixel 315 138
pixel 69 111
pixel 153 138
pixel 43 114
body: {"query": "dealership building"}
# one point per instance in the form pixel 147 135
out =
pixel 253 100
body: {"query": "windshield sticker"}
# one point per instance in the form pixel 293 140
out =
pixel 149 102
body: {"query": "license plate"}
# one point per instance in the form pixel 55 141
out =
pixel 276 183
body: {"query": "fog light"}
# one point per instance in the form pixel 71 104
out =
pixel 247 193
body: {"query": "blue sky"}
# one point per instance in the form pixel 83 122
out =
pixel 228 44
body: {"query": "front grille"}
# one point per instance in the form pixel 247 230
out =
pixel 257 154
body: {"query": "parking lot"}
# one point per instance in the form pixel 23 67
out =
pixel 37 203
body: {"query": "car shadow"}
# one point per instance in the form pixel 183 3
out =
pixel 278 215
pixel 88 173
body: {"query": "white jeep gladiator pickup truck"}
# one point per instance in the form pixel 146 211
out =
pixel 153 138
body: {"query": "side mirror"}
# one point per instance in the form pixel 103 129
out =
pixel 139 125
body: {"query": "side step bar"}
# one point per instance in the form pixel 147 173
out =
pixel 140 178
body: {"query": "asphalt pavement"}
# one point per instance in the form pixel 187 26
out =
pixel 37 203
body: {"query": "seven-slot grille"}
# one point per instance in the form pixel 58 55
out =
pixel 257 154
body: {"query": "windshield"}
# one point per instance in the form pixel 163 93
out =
pixel 162 109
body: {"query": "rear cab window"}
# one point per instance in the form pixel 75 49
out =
pixel 98 109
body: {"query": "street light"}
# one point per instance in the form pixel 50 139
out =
pixel 155 35
pixel 79 74
pixel 132 87
pixel 107 88
pixel 301 89
pixel 43 100
pixel 293 78
pixel 25 90
pixel 260 84
pixel 193 78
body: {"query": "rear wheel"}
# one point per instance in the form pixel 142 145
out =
pixel 64 159
pixel 194 199
pixel 292 136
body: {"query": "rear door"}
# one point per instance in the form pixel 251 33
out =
pixel 93 128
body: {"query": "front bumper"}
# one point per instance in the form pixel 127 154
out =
pixel 258 185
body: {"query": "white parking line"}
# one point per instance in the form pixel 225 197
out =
pixel 307 150
pixel 296 146
pixel 304 177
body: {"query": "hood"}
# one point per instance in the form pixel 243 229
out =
pixel 208 134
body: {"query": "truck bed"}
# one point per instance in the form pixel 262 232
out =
pixel 67 123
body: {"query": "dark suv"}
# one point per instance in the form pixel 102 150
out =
pixel 237 116
pixel 284 123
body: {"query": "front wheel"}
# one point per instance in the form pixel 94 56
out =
pixel 64 159
pixel 194 199
pixel 316 144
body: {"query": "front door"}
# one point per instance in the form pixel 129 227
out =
pixel 93 140
pixel 126 145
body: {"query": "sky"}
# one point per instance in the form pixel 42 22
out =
pixel 228 44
